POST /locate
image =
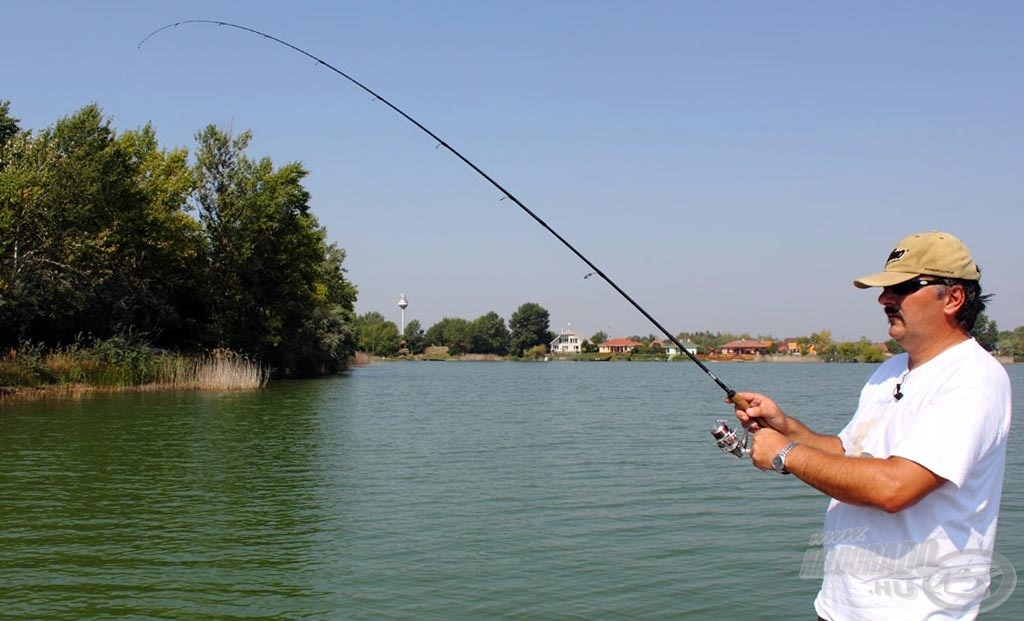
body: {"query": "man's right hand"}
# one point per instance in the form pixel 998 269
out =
pixel 762 412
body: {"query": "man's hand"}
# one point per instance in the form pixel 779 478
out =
pixel 765 445
pixel 762 413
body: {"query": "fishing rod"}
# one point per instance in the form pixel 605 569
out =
pixel 724 436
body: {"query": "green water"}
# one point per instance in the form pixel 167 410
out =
pixel 424 491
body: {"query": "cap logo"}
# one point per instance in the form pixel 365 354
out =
pixel 895 255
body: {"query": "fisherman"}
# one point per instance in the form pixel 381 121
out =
pixel 916 476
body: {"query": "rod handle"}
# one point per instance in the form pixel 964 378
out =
pixel 743 404
pixel 738 401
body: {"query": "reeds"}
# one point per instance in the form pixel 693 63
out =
pixel 118 365
pixel 220 371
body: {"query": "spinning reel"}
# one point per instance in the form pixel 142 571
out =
pixel 727 440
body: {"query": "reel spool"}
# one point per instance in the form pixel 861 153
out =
pixel 727 440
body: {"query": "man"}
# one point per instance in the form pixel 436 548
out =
pixel 916 475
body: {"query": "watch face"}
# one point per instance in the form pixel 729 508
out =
pixel 777 462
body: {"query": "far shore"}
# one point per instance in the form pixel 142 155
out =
pixel 362 359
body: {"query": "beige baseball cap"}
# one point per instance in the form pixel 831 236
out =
pixel 933 253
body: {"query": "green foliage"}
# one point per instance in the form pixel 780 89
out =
pixel 986 332
pixel 706 340
pixel 376 335
pixel 529 328
pixel 8 126
pixel 852 351
pixel 414 337
pixel 588 347
pixel 76 236
pixel 97 238
pixel 537 352
pixel 451 332
pixel 488 335
pixel 1012 343
pixel 598 338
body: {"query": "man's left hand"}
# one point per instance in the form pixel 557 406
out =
pixel 765 444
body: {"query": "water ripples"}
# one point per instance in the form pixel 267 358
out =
pixel 408 491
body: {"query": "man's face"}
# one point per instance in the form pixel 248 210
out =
pixel 916 309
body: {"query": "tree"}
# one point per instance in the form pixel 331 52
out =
pixel 823 345
pixel 488 335
pixel 72 223
pixel 166 273
pixel 599 337
pixel 1012 343
pixel 894 347
pixel 415 339
pixel 452 332
pixel 376 335
pixel 529 327
pixel 275 283
pixel 986 332
pixel 9 127
pixel 97 240
pixel 856 351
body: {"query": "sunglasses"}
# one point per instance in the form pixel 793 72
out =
pixel 911 286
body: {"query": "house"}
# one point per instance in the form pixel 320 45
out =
pixel 619 346
pixel 789 346
pixel 745 347
pixel 671 349
pixel 792 347
pixel 568 342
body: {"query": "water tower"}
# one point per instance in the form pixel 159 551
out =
pixel 402 303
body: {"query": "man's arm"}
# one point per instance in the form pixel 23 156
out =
pixel 891 484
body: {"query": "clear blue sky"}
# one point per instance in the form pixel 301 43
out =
pixel 732 165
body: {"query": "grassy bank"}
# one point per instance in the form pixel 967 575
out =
pixel 117 364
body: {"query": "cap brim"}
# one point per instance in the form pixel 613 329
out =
pixel 882 279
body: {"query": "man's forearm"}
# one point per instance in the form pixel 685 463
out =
pixel 799 432
pixel 891 484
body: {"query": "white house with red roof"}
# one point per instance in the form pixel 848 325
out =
pixel 619 346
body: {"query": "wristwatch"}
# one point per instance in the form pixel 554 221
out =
pixel 779 462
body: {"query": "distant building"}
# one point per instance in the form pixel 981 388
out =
pixel 789 346
pixel 672 349
pixel 745 347
pixel 619 346
pixel 568 342
pixel 792 347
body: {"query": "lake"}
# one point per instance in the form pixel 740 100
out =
pixel 425 490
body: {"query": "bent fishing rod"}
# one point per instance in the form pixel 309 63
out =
pixel 725 437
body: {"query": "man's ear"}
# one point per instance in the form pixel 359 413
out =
pixel 955 299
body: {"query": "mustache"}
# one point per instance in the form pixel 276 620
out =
pixel 892 311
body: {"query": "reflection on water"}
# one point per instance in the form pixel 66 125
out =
pixel 421 491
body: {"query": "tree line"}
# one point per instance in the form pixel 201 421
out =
pixel 106 234
pixel 527 330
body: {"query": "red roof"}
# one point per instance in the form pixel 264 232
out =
pixel 744 344
pixel 621 343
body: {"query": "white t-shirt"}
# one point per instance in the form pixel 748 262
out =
pixel 953 418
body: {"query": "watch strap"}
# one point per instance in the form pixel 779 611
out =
pixel 779 463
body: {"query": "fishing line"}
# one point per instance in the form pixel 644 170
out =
pixel 742 403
